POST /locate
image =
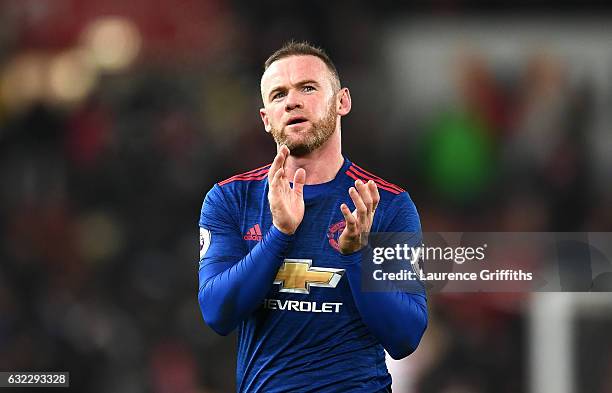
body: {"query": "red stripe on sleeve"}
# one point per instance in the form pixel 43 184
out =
pixel 357 169
pixel 355 176
pixel 260 176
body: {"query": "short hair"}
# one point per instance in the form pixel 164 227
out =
pixel 304 48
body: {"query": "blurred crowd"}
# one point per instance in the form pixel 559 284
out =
pixel 102 179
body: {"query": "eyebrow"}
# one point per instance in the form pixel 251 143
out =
pixel 298 84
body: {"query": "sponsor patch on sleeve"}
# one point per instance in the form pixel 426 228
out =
pixel 205 237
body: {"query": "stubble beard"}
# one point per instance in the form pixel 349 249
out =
pixel 311 140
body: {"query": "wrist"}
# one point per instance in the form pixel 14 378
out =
pixel 277 234
pixel 353 258
pixel 353 245
pixel 349 251
pixel 283 230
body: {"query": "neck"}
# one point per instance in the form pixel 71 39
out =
pixel 321 165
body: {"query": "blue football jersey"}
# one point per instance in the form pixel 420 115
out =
pixel 303 323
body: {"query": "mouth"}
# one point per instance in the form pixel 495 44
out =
pixel 296 120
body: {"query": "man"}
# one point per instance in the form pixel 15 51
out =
pixel 281 246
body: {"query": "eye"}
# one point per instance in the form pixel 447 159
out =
pixel 308 88
pixel 278 95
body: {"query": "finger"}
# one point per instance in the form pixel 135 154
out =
pixel 374 193
pixel 298 181
pixel 276 165
pixel 364 192
pixel 284 151
pixel 361 208
pixel 349 218
pixel 281 155
pixel 277 179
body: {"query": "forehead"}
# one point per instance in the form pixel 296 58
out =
pixel 293 69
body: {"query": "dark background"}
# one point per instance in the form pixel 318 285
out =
pixel 116 117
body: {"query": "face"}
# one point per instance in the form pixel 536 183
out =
pixel 300 104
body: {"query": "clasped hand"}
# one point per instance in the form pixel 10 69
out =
pixel 287 204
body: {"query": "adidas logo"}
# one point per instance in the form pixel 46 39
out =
pixel 254 233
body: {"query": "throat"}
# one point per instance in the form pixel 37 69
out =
pixel 317 171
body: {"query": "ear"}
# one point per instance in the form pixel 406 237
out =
pixel 265 120
pixel 343 101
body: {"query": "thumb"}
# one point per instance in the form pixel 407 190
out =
pixel 298 181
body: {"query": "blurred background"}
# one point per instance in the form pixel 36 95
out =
pixel 116 117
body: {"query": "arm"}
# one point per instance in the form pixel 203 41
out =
pixel 396 318
pixel 231 284
pixel 231 287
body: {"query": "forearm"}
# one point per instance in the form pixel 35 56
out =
pixel 231 295
pixel 396 318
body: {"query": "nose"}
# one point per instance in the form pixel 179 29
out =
pixel 293 101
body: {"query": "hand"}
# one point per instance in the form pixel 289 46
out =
pixel 286 204
pixel 359 222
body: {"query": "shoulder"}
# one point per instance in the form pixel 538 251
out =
pixel 393 198
pixel 399 212
pixel 232 191
pixel 255 175
pixel 387 188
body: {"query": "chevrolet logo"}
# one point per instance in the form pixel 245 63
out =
pixel 297 276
